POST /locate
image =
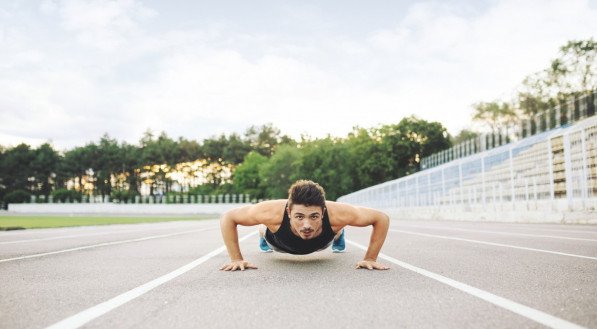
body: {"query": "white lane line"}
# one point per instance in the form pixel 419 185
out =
pixel 96 311
pixel 523 310
pixel 104 244
pixel 497 232
pixel 565 231
pixel 494 244
pixel 82 235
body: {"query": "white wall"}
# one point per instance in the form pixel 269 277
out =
pixel 122 209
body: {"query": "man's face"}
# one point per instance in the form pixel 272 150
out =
pixel 305 221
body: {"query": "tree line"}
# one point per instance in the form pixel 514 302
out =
pixel 262 162
pixel 572 73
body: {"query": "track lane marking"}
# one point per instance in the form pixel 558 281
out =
pixel 104 244
pixel 523 310
pixel 497 232
pixel 83 235
pixel 494 244
pixel 83 317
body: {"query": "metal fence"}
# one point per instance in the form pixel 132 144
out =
pixel 573 110
pixel 151 199
pixel 552 170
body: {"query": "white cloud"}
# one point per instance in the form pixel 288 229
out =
pixel 457 60
pixel 100 69
pixel 104 24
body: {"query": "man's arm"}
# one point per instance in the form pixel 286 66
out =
pixel 361 217
pixel 267 212
pixel 228 225
pixel 380 223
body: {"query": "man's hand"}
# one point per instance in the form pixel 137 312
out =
pixel 371 264
pixel 237 265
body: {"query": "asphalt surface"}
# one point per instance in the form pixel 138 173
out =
pixel 443 275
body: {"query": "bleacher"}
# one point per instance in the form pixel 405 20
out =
pixel 555 170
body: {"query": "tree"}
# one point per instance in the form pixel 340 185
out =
pixel 280 172
pixel 370 162
pixel 130 157
pixel 265 139
pixel 45 165
pixel 235 149
pixel 575 70
pixel 496 115
pixel 2 183
pixel 16 168
pixel 572 73
pixel 463 136
pixel 326 161
pixel 189 150
pixel 78 163
pixel 246 176
pixel 536 94
pixel 107 164
pixel 409 141
pixel 158 156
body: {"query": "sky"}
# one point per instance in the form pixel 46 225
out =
pixel 72 71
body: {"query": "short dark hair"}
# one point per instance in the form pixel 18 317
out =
pixel 307 193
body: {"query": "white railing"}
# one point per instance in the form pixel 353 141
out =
pixel 554 171
pixel 151 199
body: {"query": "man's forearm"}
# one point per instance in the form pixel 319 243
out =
pixel 230 236
pixel 378 236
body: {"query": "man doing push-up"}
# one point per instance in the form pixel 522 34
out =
pixel 303 224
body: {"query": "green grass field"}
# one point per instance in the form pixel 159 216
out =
pixel 34 221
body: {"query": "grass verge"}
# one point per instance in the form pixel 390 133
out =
pixel 41 221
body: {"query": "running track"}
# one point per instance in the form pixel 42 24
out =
pixel 165 275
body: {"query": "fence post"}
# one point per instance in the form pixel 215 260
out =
pixel 568 170
pixel 550 166
pixel 583 179
pixel 460 181
pixel 512 191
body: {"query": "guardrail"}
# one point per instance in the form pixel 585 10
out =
pixel 151 199
pixel 552 174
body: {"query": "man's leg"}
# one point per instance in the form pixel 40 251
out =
pixel 339 245
pixel 262 243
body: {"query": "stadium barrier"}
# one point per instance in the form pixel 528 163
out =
pixel 150 199
pixel 547 177
pixel 122 209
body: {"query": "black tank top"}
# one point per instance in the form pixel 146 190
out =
pixel 288 242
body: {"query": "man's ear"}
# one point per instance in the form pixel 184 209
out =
pixel 288 211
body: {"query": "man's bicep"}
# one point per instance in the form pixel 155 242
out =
pixel 365 216
pixel 244 216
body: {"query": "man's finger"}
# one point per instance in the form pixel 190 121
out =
pixel 369 266
pixel 383 267
pixel 242 266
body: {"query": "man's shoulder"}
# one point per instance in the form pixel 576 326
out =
pixel 340 213
pixel 268 212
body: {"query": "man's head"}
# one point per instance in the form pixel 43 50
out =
pixel 306 204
